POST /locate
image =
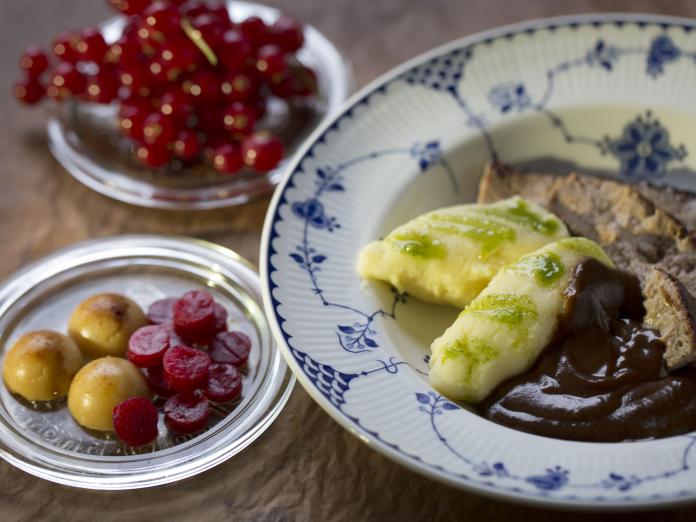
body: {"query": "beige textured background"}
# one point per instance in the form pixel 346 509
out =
pixel 305 467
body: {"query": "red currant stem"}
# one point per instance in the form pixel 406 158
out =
pixel 197 38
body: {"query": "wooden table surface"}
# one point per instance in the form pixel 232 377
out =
pixel 332 476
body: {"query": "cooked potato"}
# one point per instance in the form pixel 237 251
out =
pixel 102 324
pixel 449 255
pixel 99 386
pixel 501 333
pixel 41 364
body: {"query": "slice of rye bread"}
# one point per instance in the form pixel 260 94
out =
pixel 641 227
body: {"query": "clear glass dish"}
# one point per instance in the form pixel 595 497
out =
pixel 44 440
pixel 84 138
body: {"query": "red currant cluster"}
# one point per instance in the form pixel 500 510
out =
pixel 190 83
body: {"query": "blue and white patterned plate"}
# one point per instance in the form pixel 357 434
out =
pixel 610 93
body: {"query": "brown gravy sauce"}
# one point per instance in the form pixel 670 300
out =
pixel 602 378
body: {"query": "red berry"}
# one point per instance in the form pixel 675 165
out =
pixel 255 31
pixel 34 61
pixel 271 62
pixel 90 45
pixel 154 156
pixel 239 119
pixel 159 129
pixel 194 316
pixel 124 51
pixel 157 382
pixel 239 86
pixel 224 383
pixel 135 421
pixel 63 46
pixel 287 33
pixel 186 412
pixel 298 80
pixel 230 347
pixel 213 140
pixel 220 318
pixel 132 120
pixel 102 87
pixel 180 54
pixel 262 151
pixel 210 121
pixel 136 76
pixel 186 146
pixel 234 51
pixel 147 345
pixel 227 158
pixel 193 8
pixel 174 103
pixel 66 80
pixel 161 311
pixel 211 28
pixel 185 368
pixel 129 7
pixel 163 18
pixel 203 86
pixel 28 90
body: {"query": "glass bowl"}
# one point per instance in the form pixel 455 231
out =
pixel 84 138
pixel 44 440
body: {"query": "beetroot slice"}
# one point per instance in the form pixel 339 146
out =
pixel 220 318
pixel 135 421
pixel 194 316
pixel 230 347
pixel 158 383
pixel 162 311
pixel 224 382
pixel 186 412
pixel 185 368
pixel 147 345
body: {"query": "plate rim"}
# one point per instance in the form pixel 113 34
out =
pixel 267 267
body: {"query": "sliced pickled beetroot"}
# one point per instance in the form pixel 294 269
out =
pixel 220 318
pixel 162 311
pixel 158 383
pixel 194 316
pixel 185 368
pixel 147 345
pixel 135 421
pixel 224 382
pixel 230 347
pixel 186 412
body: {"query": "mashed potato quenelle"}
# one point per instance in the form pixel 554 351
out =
pixel 101 385
pixel 102 324
pixel 503 331
pixel 41 365
pixel 448 256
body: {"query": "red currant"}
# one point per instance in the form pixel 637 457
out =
pixel 213 140
pixel 240 86
pixel 34 61
pixel 298 80
pixel 66 80
pixel 211 28
pixel 174 103
pixel 287 33
pixel 255 31
pixel 180 54
pixel 193 8
pixel 28 90
pixel 262 151
pixel 132 120
pixel 234 51
pixel 90 45
pixel 186 146
pixel 228 158
pixel 137 77
pixel 63 46
pixel 102 87
pixel 163 18
pixel 124 51
pixel 129 7
pixel 271 62
pixel 152 155
pixel 239 119
pixel 203 86
pixel 209 119
pixel 159 129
